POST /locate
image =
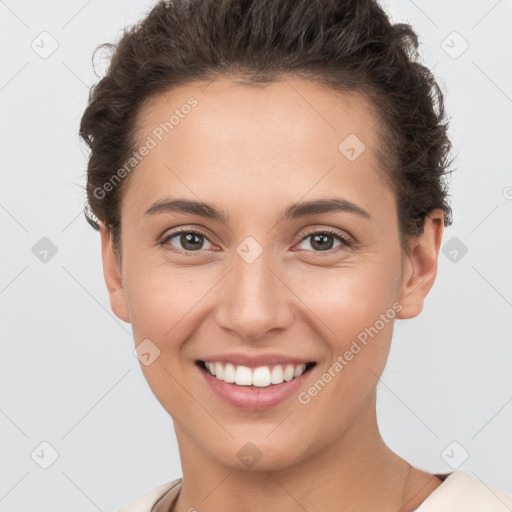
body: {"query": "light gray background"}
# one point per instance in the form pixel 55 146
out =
pixel 67 372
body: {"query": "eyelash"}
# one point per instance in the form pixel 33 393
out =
pixel 345 242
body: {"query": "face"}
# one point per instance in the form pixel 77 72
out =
pixel 258 278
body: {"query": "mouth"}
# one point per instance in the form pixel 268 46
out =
pixel 253 389
pixel 260 377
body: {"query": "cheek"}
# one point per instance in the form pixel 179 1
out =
pixel 357 316
pixel 354 310
pixel 347 300
pixel 164 300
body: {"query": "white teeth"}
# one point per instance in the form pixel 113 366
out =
pixel 243 376
pixel 289 372
pixel 263 376
pixel 229 373
pixel 277 375
pixel 219 371
pixel 299 370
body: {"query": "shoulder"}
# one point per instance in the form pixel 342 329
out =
pixel 462 492
pixel 145 503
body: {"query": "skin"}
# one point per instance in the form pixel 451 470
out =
pixel 252 151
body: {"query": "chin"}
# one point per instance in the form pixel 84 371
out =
pixel 259 453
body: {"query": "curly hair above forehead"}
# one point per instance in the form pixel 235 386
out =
pixel 350 45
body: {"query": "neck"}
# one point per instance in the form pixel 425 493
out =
pixel 357 471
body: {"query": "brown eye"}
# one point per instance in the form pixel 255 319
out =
pixel 323 241
pixel 188 240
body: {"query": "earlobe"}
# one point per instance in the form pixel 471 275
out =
pixel 112 275
pixel 420 266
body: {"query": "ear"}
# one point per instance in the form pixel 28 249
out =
pixel 112 274
pixel 420 266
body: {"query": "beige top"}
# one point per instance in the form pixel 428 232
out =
pixel 459 492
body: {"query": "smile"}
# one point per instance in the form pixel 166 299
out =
pixel 262 376
pixel 253 389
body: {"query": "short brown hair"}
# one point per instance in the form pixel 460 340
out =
pixel 348 44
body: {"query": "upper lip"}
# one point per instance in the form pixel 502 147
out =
pixel 254 361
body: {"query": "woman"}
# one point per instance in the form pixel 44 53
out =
pixel 268 180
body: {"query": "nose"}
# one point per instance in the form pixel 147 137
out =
pixel 255 300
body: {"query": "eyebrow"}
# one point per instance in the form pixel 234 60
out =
pixel 293 211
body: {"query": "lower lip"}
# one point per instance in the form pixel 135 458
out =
pixel 253 398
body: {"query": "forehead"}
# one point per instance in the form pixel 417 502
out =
pixel 295 107
pixel 293 136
